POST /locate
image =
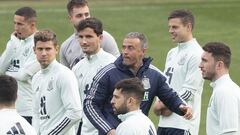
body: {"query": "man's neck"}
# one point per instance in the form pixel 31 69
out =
pixel 220 74
pixel 3 106
pixel 89 56
pixel 188 38
pixel 133 108
pixel 136 67
pixel 30 34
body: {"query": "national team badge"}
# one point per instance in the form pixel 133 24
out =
pixel 182 60
pixel 146 83
pixel 25 53
pixel 50 85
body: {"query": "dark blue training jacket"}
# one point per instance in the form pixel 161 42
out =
pixel 97 105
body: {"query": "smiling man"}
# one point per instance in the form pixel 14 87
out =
pixel 183 75
pixel 19 61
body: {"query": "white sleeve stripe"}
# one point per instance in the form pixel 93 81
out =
pixel 97 119
pixel 103 71
pixel 186 95
pixel 89 106
pixel 60 127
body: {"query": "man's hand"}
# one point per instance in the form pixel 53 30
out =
pixel 112 132
pixel 187 111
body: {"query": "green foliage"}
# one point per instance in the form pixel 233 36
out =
pixel 216 20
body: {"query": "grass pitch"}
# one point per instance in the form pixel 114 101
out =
pixel 216 20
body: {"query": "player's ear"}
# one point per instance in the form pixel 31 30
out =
pixel 189 26
pixel 101 36
pixel 144 50
pixel 32 22
pixel 220 65
pixel 70 18
pixel 57 48
pixel 131 100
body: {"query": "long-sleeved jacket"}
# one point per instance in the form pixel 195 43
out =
pixel 56 100
pixel 19 61
pixel 97 106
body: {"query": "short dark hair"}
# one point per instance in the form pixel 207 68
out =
pixel 219 51
pixel 8 90
pixel 140 36
pixel 44 36
pixel 185 15
pixel 131 87
pixel 92 23
pixel 27 13
pixel 76 3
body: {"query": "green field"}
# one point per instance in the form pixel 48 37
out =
pixel 216 20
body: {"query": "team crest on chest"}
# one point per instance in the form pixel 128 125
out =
pixel 146 83
pixel 50 85
pixel 26 52
pixel 182 59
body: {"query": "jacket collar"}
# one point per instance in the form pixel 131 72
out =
pixel 119 64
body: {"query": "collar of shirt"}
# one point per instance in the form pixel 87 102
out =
pixel 93 57
pixel 48 68
pixel 188 43
pixel 123 117
pixel 8 110
pixel 219 80
pixel 75 34
pixel 30 38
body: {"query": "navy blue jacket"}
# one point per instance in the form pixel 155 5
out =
pixel 97 106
